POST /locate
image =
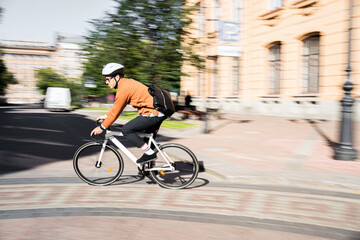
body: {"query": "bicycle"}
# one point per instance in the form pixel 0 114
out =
pixel 98 163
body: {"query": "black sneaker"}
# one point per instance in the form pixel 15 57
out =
pixel 146 158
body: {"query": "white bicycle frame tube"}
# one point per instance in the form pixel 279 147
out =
pixel 101 154
pixel 111 136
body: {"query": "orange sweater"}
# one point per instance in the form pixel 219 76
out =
pixel 130 92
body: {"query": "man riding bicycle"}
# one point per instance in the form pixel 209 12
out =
pixel 130 91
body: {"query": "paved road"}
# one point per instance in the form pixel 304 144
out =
pixel 42 198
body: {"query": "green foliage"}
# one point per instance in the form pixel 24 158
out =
pixel 177 124
pixel 147 37
pixel 6 78
pixel 47 77
pixel 167 123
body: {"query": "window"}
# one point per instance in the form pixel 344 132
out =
pixel 310 65
pixel 274 69
pixel 199 89
pixel 237 10
pixel 274 4
pixel 215 78
pixel 236 75
pixel 217 14
pixel 201 20
pixel 7 56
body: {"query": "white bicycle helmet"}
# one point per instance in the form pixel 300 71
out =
pixel 112 69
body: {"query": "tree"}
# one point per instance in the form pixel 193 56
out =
pixel 147 37
pixel 47 77
pixel 6 77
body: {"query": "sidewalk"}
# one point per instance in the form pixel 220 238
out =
pixel 270 150
pixel 275 150
pixel 265 178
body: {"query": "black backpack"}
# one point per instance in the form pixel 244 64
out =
pixel 162 100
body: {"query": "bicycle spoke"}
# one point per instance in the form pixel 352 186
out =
pixel 185 163
pixel 85 164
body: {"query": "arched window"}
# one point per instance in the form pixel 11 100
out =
pixel 274 68
pixel 310 64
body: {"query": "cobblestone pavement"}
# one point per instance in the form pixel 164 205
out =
pixel 259 183
pixel 133 206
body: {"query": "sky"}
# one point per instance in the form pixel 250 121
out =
pixel 41 20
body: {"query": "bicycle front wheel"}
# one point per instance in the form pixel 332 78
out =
pixel 182 159
pixel 85 164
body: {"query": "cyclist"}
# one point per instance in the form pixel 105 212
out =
pixel 130 91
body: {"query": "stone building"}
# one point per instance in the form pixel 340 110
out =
pixel 275 57
pixel 69 56
pixel 23 58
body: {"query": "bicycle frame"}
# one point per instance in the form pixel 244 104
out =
pixel 111 135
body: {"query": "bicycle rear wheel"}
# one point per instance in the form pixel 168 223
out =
pixel 85 164
pixel 185 163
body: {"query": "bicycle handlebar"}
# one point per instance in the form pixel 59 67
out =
pixel 98 122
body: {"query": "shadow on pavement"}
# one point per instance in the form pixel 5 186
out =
pixel 128 179
pixel 199 182
pixel 224 124
pixel 314 124
pixel 31 136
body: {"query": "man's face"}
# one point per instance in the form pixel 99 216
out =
pixel 110 81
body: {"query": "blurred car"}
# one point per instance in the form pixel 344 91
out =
pixel 57 98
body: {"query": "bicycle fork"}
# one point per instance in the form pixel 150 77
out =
pixel 98 163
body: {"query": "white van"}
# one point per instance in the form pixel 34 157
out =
pixel 57 98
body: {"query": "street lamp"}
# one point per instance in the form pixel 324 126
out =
pixel 345 150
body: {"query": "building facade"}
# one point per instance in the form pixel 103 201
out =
pixel 23 58
pixel 69 56
pixel 289 60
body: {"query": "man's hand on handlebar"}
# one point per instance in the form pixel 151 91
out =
pixel 98 130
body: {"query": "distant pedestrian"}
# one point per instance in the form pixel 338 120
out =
pixel 188 100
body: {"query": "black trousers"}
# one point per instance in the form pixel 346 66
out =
pixel 141 124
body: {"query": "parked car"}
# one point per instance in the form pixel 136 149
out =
pixel 57 98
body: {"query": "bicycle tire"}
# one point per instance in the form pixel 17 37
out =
pixel 86 157
pixel 185 163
